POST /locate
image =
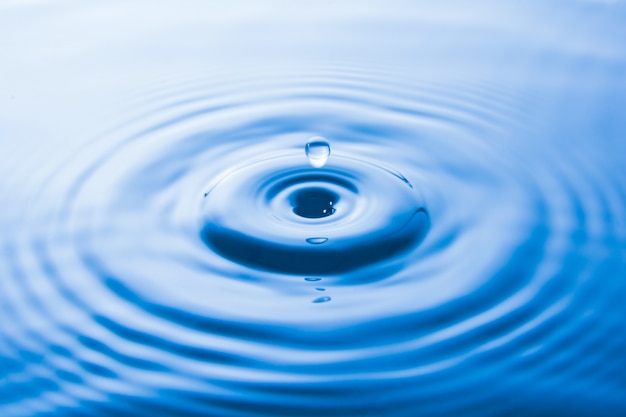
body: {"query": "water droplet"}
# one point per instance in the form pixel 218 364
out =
pixel 321 289
pixel 317 150
pixel 322 299
pixel 312 279
pixel 316 240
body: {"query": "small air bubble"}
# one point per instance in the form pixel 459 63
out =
pixel 312 279
pixel 321 289
pixel 317 150
pixel 322 299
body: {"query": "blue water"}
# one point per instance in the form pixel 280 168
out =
pixel 171 246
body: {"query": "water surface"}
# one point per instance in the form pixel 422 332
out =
pixel 171 246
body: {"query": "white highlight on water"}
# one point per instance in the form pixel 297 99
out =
pixel 317 150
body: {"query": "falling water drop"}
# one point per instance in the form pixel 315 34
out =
pixel 312 279
pixel 322 300
pixel 317 150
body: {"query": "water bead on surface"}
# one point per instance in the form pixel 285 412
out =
pixel 317 150
pixel 316 240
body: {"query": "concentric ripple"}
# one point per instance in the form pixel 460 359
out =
pixel 281 216
pixel 193 261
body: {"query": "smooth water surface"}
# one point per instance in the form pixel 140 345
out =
pixel 313 209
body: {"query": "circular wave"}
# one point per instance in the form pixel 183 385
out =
pixel 192 261
pixel 281 216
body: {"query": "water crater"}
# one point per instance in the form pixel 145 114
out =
pixel 314 203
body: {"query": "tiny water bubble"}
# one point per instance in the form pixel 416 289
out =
pixel 321 289
pixel 312 279
pixel 322 299
pixel 317 150
pixel 316 240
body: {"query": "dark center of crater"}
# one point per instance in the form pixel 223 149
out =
pixel 314 203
